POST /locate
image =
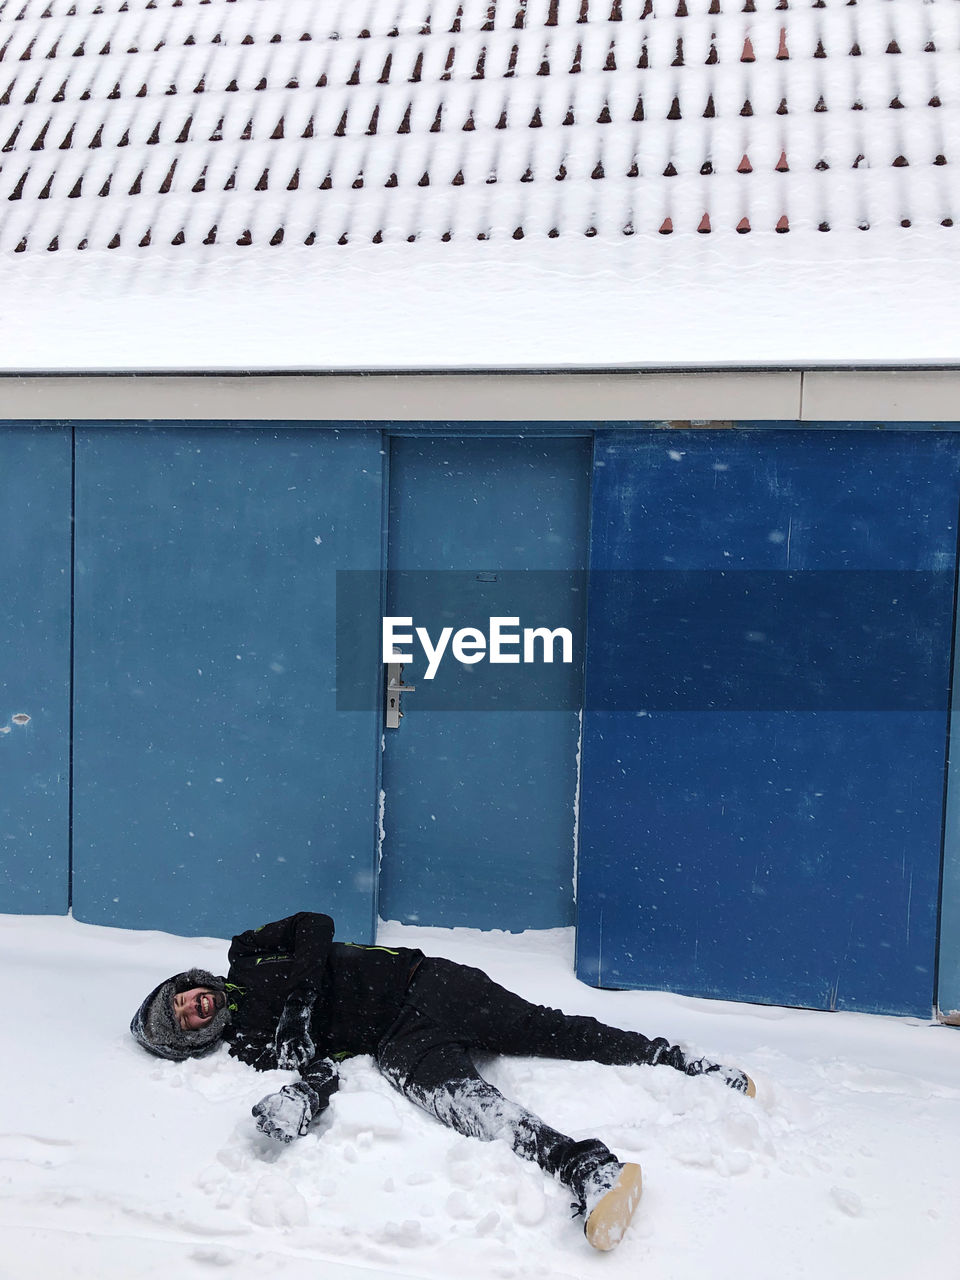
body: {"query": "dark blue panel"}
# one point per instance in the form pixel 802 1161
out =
pixel 774 852
pixel 778 640
pixel 215 784
pixel 948 972
pixel 479 805
pixel 791 859
pixel 773 500
pixel 35 511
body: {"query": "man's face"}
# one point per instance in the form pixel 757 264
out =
pixel 195 1008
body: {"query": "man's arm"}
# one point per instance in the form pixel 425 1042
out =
pixel 306 938
pixel 287 1114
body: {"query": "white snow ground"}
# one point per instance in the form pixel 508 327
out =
pixel 118 1166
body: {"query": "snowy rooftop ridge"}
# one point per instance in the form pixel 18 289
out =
pixel 283 122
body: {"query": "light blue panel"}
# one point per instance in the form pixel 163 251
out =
pixel 216 786
pixel 747 834
pixel 35 509
pixel 479 804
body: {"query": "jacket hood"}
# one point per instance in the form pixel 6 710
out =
pixel 155 1028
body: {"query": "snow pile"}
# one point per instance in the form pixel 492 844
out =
pixel 116 1165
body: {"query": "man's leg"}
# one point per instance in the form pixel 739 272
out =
pixel 420 1059
pixel 479 1012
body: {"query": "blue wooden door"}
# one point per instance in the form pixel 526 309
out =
pixel 769 639
pixel 216 785
pixel 479 798
pixel 35 585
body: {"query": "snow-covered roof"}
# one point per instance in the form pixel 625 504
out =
pixel 334 166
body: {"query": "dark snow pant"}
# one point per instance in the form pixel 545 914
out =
pixel 451 1009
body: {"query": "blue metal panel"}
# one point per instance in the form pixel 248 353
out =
pixel 948 977
pixel 35 508
pixel 479 804
pixel 215 784
pixel 740 838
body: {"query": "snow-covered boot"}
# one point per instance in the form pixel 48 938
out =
pixel 732 1077
pixel 607 1191
pixel 610 1216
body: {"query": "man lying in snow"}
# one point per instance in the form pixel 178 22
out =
pixel 293 998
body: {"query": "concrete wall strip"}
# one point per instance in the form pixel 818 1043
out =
pixel 534 397
pixel 906 395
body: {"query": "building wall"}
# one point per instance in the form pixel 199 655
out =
pixel 190 770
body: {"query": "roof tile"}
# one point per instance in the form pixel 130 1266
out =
pixel 312 128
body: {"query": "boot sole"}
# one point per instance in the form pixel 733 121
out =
pixel 611 1214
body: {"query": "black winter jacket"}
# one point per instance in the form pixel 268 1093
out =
pixel 356 992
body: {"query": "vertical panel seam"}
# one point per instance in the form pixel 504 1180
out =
pixel 71 678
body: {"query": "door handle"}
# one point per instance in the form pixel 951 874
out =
pixel 394 688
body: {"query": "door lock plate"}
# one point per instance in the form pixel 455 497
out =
pixel 394 688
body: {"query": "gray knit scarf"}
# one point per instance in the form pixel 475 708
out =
pixel 158 1031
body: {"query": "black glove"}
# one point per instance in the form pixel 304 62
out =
pixel 293 1041
pixel 286 1115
